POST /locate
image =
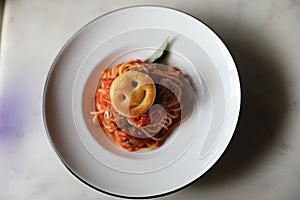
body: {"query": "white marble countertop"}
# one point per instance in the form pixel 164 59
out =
pixel 261 162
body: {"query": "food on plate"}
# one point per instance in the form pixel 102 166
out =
pixel 138 104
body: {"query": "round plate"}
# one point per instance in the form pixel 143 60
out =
pixel 191 149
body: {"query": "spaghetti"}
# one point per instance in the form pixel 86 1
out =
pixel 150 129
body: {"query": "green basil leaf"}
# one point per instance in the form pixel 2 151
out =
pixel 159 52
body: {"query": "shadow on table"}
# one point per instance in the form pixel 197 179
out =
pixel 263 109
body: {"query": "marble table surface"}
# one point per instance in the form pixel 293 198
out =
pixel 261 162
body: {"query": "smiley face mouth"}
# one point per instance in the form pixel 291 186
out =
pixel 137 97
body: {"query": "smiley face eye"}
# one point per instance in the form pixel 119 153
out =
pixel 122 97
pixel 134 84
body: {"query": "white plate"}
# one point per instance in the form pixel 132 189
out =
pixel 190 150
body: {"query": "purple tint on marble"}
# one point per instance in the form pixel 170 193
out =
pixel 12 116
